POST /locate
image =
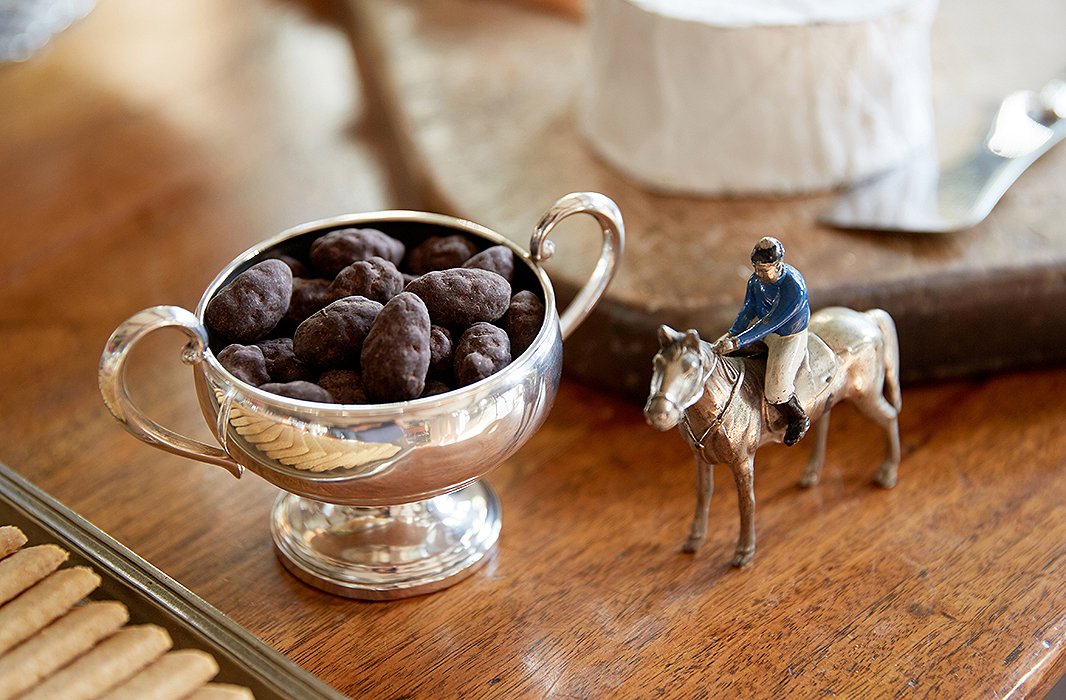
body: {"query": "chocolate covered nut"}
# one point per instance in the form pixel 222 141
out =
pixel 333 337
pixel 308 296
pixel 337 250
pixel 245 362
pixel 249 307
pixel 498 259
pixel 435 387
pixel 525 315
pixel 297 267
pixel 482 350
pixel 374 278
pixel 440 349
pixel 396 352
pixel 299 390
pixel 281 362
pixel 344 385
pixel 440 253
pixel 461 296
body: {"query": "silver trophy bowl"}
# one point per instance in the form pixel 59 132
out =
pixel 378 501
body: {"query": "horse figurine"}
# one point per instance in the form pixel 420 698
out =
pixel 717 403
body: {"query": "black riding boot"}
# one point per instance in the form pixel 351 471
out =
pixel 798 422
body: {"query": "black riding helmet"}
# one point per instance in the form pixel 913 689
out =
pixel 767 250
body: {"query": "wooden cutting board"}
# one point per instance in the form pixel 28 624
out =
pixel 481 98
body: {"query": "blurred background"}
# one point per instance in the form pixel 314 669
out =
pixel 147 144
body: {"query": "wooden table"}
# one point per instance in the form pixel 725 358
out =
pixel 152 142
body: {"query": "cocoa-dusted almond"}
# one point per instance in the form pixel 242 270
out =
pixel 245 362
pixel 333 337
pixel 249 307
pixel 525 315
pixel 281 362
pixel 461 296
pixel 482 351
pixel 299 390
pixel 498 259
pixel 338 249
pixel 308 296
pixel 395 356
pixel 441 349
pixel 345 385
pixel 374 278
pixel 440 253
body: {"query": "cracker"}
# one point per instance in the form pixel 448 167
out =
pixel 171 677
pixel 11 538
pixel 111 662
pixel 44 602
pixel 26 567
pixel 222 691
pixel 57 645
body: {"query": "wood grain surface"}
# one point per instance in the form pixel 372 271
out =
pixel 484 98
pixel 152 143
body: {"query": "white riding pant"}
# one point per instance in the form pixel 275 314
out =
pixel 786 356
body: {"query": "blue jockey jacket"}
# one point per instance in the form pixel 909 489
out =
pixel 780 307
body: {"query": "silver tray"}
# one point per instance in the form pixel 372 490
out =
pixel 153 597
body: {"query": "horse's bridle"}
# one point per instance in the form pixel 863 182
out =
pixel 702 381
pixel 717 422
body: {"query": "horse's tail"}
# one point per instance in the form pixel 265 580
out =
pixel 890 354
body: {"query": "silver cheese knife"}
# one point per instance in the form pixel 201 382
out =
pixel 921 197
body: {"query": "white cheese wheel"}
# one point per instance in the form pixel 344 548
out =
pixel 743 97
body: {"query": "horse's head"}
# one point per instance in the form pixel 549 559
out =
pixel 678 372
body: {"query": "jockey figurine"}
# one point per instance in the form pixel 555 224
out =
pixel 775 311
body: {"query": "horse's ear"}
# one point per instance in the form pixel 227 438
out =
pixel 667 335
pixel 692 339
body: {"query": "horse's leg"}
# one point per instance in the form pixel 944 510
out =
pixel 813 474
pixel 744 475
pixel 886 474
pixel 704 489
pixel 877 409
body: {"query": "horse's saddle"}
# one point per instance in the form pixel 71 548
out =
pixel 813 378
pixel 816 372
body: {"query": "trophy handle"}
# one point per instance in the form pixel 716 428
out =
pixel 112 379
pixel 605 211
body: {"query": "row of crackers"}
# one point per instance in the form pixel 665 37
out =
pixel 54 644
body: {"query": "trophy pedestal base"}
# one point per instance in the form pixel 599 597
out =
pixel 387 552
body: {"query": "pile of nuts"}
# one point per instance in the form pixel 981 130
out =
pixel 364 320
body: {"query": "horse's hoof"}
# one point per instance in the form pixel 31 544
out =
pixel 742 558
pixel 692 544
pixel 810 480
